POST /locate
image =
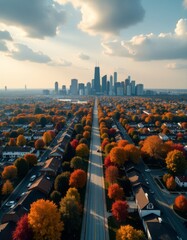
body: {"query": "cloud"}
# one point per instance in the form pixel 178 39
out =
pixel 176 66
pixel 84 56
pixel 3 47
pixel 107 16
pixel 39 18
pixel 24 53
pixel 5 35
pixel 152 47
pixel 185 3
pixel 60 63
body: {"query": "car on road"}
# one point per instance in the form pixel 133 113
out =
pixel 146 180
pixel 29 184
pixel 147 170
pixel 10 203
pixel 32 178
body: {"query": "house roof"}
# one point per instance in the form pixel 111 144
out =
pixel 141 198
pixel 6 229
pixel 182 178
pixel 15 214
pixel 42 184
pixel 133 177
pixel 159 231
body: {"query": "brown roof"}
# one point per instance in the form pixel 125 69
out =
pixel 141 198
pixel 15 214
pixel 133 177
pixel 42 184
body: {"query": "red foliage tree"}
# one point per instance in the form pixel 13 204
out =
pixel 23 230
pixel 107 161
pixel 78 178
pixel 115 192
pixel 74 143
pixel 180 203
pixel 111 174
pixel 120 210
pixel 170 183
pixel 111 132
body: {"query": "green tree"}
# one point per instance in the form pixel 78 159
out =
pixel 62 183
pixel 22 167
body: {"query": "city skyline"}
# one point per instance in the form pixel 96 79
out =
pixel 60 40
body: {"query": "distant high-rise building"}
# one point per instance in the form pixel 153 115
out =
pixel 74 87
pixel 56 87
pixel 88 89
pixel 139 89
pixel 111 86
pixel 46 92
pixel 97 86
pixel 81 89
pixel 104 84
pixel 133 89
pixel 64 92
pixel 115 77
pixel 127 82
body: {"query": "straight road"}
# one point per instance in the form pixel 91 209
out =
pixel 95 225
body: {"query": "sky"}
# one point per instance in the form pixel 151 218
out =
pixel 43 41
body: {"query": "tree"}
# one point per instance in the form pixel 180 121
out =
pixel 12 142
pixel 69 152
pixel 39 144
pixel 86 134
pixel 7 188
pixel 71 214
pixel 133 153
pixel 120 210
pixel 180 203
pixel 22 167
pixel 21 141
pixel 111 174
pixel 165 177
pixel 78 178
pixel 176 162
pixel 118 156
pixel 73 192
pixel 78 163
pixel 45 220
pixel 152 146
pixel 115 192
pixel 122 143
pixel 78 128
pixel 62 183
pixel 9 172
pixel 43 121
pixel 23 229
pixel 31 159
pixel 55 196
pixel 170 183
pixel 46 138
pixel 74 143
pixel 127 232
pixel 107 161
pixel 82 150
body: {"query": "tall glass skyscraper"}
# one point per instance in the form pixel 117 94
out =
pixel 97 86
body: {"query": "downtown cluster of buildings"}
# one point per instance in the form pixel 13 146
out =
pixel 101 86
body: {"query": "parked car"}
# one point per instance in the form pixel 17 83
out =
pixel 10 203
pixel 147 170
pixel 32 178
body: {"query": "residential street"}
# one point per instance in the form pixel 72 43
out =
pixel 95 225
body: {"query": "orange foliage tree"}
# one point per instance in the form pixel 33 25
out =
pixel 111 174
pixel 82 150
pixel 39 144
pixel 115 192
pixel 170 183
pixel 21 141
pixel 133 153
pixel 127 232
pixel 118 156
pixel 120 210
pixel 9 172
pixel 180 203
pixel 12 142
pixel 7 188
pixel 46 138
pixel 176 162
pixel 152 146
pixel 45 220
pixel 122 143
pixel 78 178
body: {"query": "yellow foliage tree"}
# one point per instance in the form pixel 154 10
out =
pixel 45 220
pixel 129 233
pixel 21 141
pixel 7 188
pixel 73 192
pixel 47 138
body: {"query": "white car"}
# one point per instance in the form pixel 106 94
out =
pixel 10 203
pixel 32 178
pixel 148 170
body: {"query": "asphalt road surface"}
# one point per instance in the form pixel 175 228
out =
pixel 95 225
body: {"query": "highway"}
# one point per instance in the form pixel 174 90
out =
pixel 95 224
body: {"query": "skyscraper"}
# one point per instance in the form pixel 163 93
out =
pixel 56 87
pixel 97 86
pixel 104 84
pixel 74 87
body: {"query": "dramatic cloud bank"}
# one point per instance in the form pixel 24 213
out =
pixel 5 35
pixel 152 47
pixel 39 18
pixel 107 16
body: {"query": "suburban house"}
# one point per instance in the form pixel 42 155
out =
pixel 42 184
pixel 51 167
pixel 181 181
